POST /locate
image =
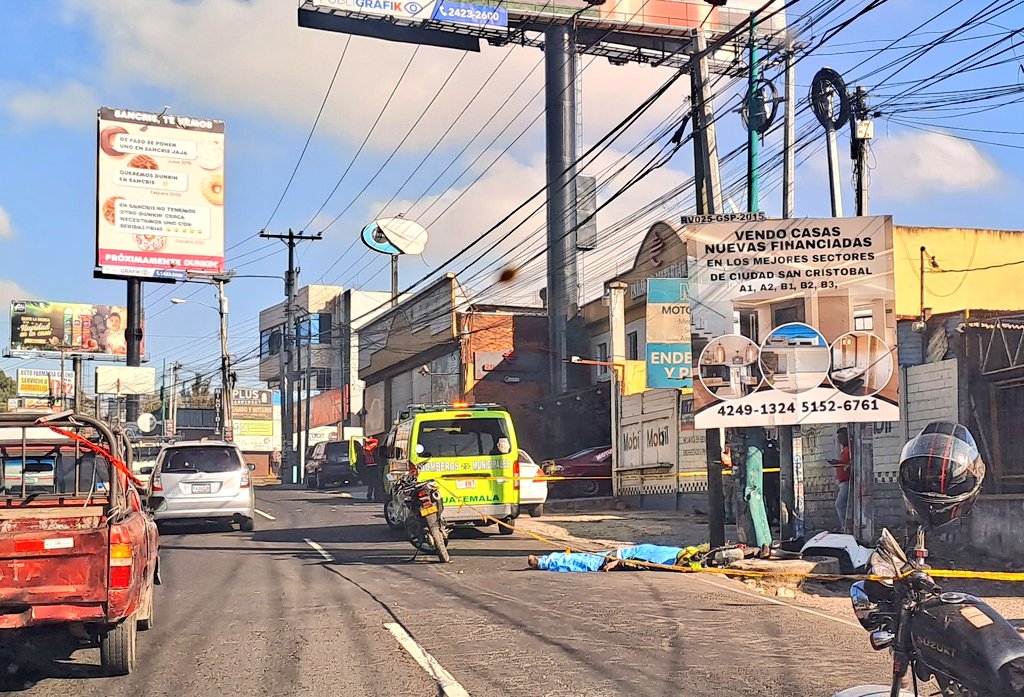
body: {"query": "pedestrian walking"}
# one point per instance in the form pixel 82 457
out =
pixel 842 465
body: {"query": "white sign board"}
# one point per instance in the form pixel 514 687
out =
pixel 122 380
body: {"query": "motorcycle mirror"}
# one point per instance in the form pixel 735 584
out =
pixel 881 639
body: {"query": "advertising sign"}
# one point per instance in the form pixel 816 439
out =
pixel 160 186
pixel 434 10
pixel 125 380
pixel 45 383
pixel 801 320
pixel 253 424
pixel 51 328
pixel 669 357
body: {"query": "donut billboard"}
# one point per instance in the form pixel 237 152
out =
pixel 160 195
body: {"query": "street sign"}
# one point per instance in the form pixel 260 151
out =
pixel 669 357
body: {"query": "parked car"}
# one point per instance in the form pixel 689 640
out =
pixel 331 463
pixel 588 473
pixel 533 488
pixel 203 480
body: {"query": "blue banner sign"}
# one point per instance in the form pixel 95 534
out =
pixel 669 353
pixel 473 15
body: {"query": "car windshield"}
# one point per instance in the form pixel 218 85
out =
pixel 461 437
pixel 147 452
pixel 587 453
pixel 200 459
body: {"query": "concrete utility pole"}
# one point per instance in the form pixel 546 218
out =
pixel 560 126
pixel 175 368
pixel 617 332
pixel 76 366
pixel 133 338
pixel 861 133
pixel 789 137
pixel 755 111
pixel 285 377
pixel 709 202
pixel 225 362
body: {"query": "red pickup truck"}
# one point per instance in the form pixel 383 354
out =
pixel 77 546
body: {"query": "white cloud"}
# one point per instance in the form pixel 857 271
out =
pixel 71 104
pixel 234 55
pixel 912 165
pixel 6 228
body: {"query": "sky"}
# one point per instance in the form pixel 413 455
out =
pixel 248 63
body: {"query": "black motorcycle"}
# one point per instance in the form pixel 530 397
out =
pixel 423 522
pixel 955 638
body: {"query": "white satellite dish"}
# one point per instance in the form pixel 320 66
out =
pixel 146 422
pixel 408 236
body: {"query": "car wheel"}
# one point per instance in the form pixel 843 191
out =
pixel 509 526
pixel 117 647
pixel 537 510
pixel 247 524
pixel 394 513
pixel 319 480
pixel 588 488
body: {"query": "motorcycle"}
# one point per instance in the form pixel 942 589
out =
pixel 423 520
pixel 955 638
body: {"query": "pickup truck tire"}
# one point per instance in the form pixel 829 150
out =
pixel 247 525
pixel 149 611
pixel 117 647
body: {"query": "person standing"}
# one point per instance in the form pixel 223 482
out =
pixel 372 480
pixel 275 462
pixel 842 465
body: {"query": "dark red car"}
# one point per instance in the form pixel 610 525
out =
pixel 588 473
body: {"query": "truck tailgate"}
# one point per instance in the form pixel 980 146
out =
pixel 52 556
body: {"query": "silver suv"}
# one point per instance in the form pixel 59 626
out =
pixel 203 480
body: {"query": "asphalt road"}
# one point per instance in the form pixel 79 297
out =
pixel 267 613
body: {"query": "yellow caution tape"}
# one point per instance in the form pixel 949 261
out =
pixel 1012 576
pixel 560 478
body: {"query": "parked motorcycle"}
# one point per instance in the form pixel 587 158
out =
pixel 423 520
pixel 955 638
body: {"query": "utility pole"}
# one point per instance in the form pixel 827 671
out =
pixel 76 366
pixel 175 367
pixel 225 362
pixel 163 399
pixel 309 386
pixel 133 337
pixel 709 198
pixel 755 112
pixel 285 377
pixel 617 333
pixel 297 416
pixel 862 130
pixel 560 123
pixel 789 137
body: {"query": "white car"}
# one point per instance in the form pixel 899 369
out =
pixel 533 489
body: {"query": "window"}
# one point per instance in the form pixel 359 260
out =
pixel 602 355
pixel 863 319
pixel 321 379
pixel 632 346
pixel 316 328
pixel 461 437
pixel 200 459
pixel 270 342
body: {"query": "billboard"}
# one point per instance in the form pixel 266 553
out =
pixel 799 320
pixel 450 11
pixel 252 416
pixel 50 328
pixel 669 357
pixel 657 14
pixel 125 380
pixel 45 383
pixel 160 194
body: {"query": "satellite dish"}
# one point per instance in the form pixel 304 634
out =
pixel 395 236
pixel 146 423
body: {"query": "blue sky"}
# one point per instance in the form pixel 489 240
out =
pixel 250 65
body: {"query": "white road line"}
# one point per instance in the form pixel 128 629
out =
pixel 264 514
pixel 776 601
pixel 323 552
pixel 449 685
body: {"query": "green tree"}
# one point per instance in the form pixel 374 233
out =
pixel 8 389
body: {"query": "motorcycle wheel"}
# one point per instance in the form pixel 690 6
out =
pixel 419 536
pixel 394 512
pixel 440 544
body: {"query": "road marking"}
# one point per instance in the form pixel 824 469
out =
pixel 776 601
pixel 323 552
pixel 264 514
pixel 450 687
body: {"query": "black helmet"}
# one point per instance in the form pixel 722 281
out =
pixel 941 473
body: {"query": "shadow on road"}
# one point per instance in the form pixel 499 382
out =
pixel 30 656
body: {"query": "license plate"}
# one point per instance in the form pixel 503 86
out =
pixel 465 484
pixel 201 489
pixel 427 510
pixel 29 479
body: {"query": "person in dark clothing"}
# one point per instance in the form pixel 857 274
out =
pixel 372 478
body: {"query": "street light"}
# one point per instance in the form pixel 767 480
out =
pixel 225 358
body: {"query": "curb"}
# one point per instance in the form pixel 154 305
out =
pixel 598 503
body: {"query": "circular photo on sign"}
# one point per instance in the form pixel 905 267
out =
pixel 862 364
pixel 729 368
pixel 795 358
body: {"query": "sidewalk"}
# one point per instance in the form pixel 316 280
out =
pixel 618 528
